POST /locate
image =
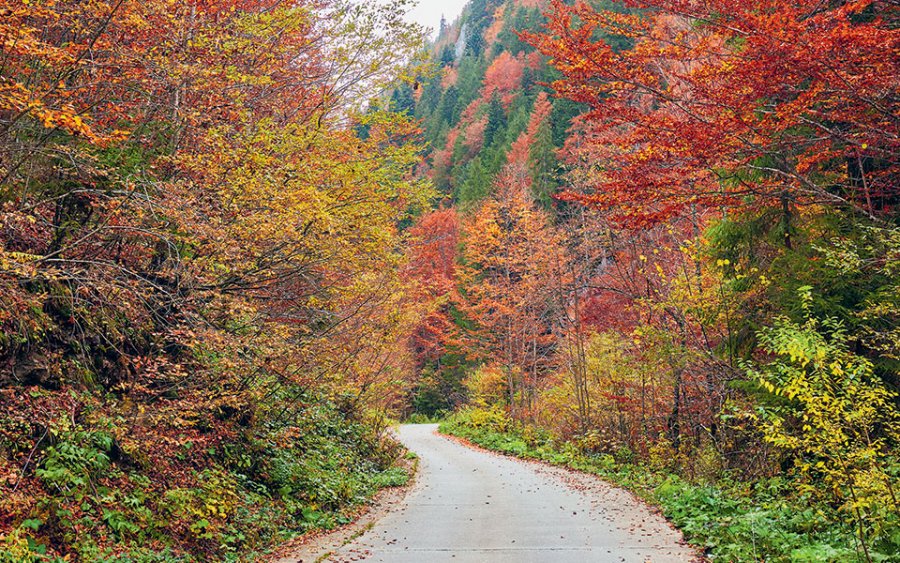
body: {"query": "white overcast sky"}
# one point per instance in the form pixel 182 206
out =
pixel 428 12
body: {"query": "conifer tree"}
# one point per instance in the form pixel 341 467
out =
pixel 496 124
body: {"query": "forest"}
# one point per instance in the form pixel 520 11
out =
pixel 655 240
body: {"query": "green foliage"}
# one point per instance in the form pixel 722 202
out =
pixel 837 422
pixel 523 19
pixel 252 492
pixel 172 372
pixel 438 391
pixel 496 121
pixel 70 466
pixel 712 373
pixel 543 163
pixel 420 418
pixel 477 184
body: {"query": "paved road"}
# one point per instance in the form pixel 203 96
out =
pixel 473 506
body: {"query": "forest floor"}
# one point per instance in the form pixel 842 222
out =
pixel 472 505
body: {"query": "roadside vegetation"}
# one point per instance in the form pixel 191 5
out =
pixel 656 240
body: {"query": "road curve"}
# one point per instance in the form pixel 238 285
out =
pixel 472 506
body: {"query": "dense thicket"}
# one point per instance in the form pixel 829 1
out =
pixel 699 271
pixel 199 271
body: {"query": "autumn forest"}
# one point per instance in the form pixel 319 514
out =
pixel 653 240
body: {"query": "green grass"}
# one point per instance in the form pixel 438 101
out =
pixel 419 418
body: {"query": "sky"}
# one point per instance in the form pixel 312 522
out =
pixel 428 12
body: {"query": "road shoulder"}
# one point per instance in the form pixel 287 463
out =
pixel 318 545
pixel 627 507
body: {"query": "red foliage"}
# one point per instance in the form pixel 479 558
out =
pixel 504 76
pixel 518 153
pixel 730 103
pixel 473 139
pixel 431 271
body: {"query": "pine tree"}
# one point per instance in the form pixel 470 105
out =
pixel 449 106
pixel 477 185
pixel 543 164
pixel 496 125
pixel 447 56
pixel 431 98
pixel 402 100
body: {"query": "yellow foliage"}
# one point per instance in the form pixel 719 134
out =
pixel 487 385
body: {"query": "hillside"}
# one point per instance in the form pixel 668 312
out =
pixel 485 97
pixel 667 252
pixel 486 107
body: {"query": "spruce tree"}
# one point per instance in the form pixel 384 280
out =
pixel 543 164
pixel 496 125
pixel 477 183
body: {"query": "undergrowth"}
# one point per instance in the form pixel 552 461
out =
pixel 88 494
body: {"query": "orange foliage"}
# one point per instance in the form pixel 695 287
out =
pixel 519 152
pixel 513 257
pixel 451 75
pixel 195 244
pixel 431 270
pixel 492 32
pixel 503 76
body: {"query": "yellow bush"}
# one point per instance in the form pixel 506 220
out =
pixel 493 417
pixel 486 386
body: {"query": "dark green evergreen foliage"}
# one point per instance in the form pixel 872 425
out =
pixel 430 396
pixel 449 107
pixel 447 56
pixel 523 19
pixel 431 97
pixel 530 79
pixel 440 389
pixel 477 184
pixel 850 264
pixel 544 165
pixel 475 43
pixel 478 11
pixel 471 77
pixel 480 14
pixel 402 100
pixel 519 114
pixel 441 110
pixel 561 119
pixel 564 110
pixel 496 124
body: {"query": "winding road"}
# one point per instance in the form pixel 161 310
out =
pixel 470 505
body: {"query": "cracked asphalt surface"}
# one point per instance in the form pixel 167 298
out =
pixel 469 505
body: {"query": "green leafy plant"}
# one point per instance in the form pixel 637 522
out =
pixel 836 420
